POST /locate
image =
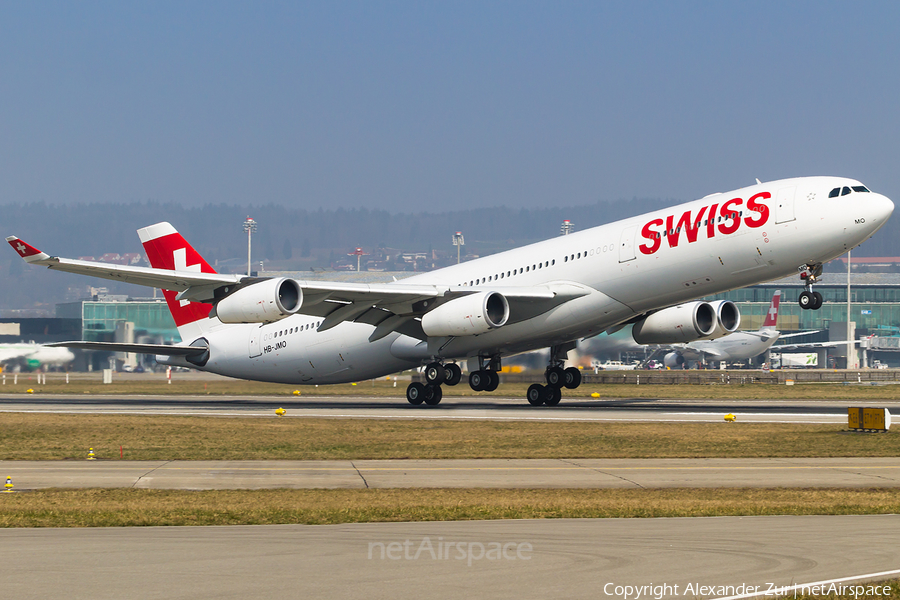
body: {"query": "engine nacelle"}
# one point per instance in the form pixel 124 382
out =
pixel 728 319
pixel 673 360
pixel 469 315
pixel 264 302
pixel 676 324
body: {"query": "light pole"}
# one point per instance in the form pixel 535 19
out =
pixel 849 341
pixel 357 253
pixel 567 227
pixel 458 241
pixel 249 227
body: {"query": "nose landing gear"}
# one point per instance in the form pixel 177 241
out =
pixel 809 274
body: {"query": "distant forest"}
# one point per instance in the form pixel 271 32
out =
pixel 215 230
pixel 290 237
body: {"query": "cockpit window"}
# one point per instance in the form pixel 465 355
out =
pixel 845 191
pixel 860 188
pixel 834 193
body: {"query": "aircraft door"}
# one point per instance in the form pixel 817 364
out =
pixel 626 244
pixel 255 341
pixel 784 205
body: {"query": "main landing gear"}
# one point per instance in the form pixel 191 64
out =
pixel 487 378
pixel 809 299
pixel 436 374
pixel 557 378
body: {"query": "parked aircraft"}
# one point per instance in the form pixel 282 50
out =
pixel 640 270
pixel 35 355
pixel 739 346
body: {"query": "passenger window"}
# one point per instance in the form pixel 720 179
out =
pixel 834 193
pixel 845 191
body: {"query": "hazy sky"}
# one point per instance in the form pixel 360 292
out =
pixel 429 106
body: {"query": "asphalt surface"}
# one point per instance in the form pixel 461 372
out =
pixel 585 558
pixel 460 408
pixel 554 558
pixel 481 473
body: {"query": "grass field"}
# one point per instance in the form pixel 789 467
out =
pixel 29 436
pixel 129 507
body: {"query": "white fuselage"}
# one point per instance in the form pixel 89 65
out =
pixel 741 345
pixel 623 267
pixel 42 355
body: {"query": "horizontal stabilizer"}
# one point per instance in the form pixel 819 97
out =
pixel 161 349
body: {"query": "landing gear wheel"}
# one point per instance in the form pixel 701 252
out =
pixel 552 395
pixel 806 300
pixel 434 373
pixel 433 395
pixel 817 301
pixel 415 393
pixel 535 394
pixel 479 380
pixel 452 374
pixel 556 377
pixel 572 378
pixel 494 381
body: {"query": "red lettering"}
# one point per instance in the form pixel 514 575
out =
pixel 691 226
pixel 651 235
pixel 761 209
pixel 727 211
pixel 711 223
pixel 671 232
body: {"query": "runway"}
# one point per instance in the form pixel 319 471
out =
pixel 560 558
pixel 480 473
pixel 458 408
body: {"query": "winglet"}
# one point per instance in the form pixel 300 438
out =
pixel 26 250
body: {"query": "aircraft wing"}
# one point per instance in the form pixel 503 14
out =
pixel 158 278
pixel 782 347
pixel 790 335
pixel 335 301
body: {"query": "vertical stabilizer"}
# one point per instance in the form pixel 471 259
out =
pixel 166 249
pixel 771 322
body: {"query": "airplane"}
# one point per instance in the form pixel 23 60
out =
pixel 35 355
pixel 641 270
pixel 738 346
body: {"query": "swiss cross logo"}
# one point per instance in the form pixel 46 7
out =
pixel 180 258
pixel 21 248
pixel 773 311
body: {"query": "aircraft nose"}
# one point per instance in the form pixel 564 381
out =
pixel 882 207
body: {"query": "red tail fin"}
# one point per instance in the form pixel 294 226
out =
pixel 166 249
pixel 772 316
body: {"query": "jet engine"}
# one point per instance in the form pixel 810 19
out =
pixel 264 302
pixel 728 319
pixel 469 315
pixel 676 324
pixel 673 360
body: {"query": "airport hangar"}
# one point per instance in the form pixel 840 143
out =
pixel 874 309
